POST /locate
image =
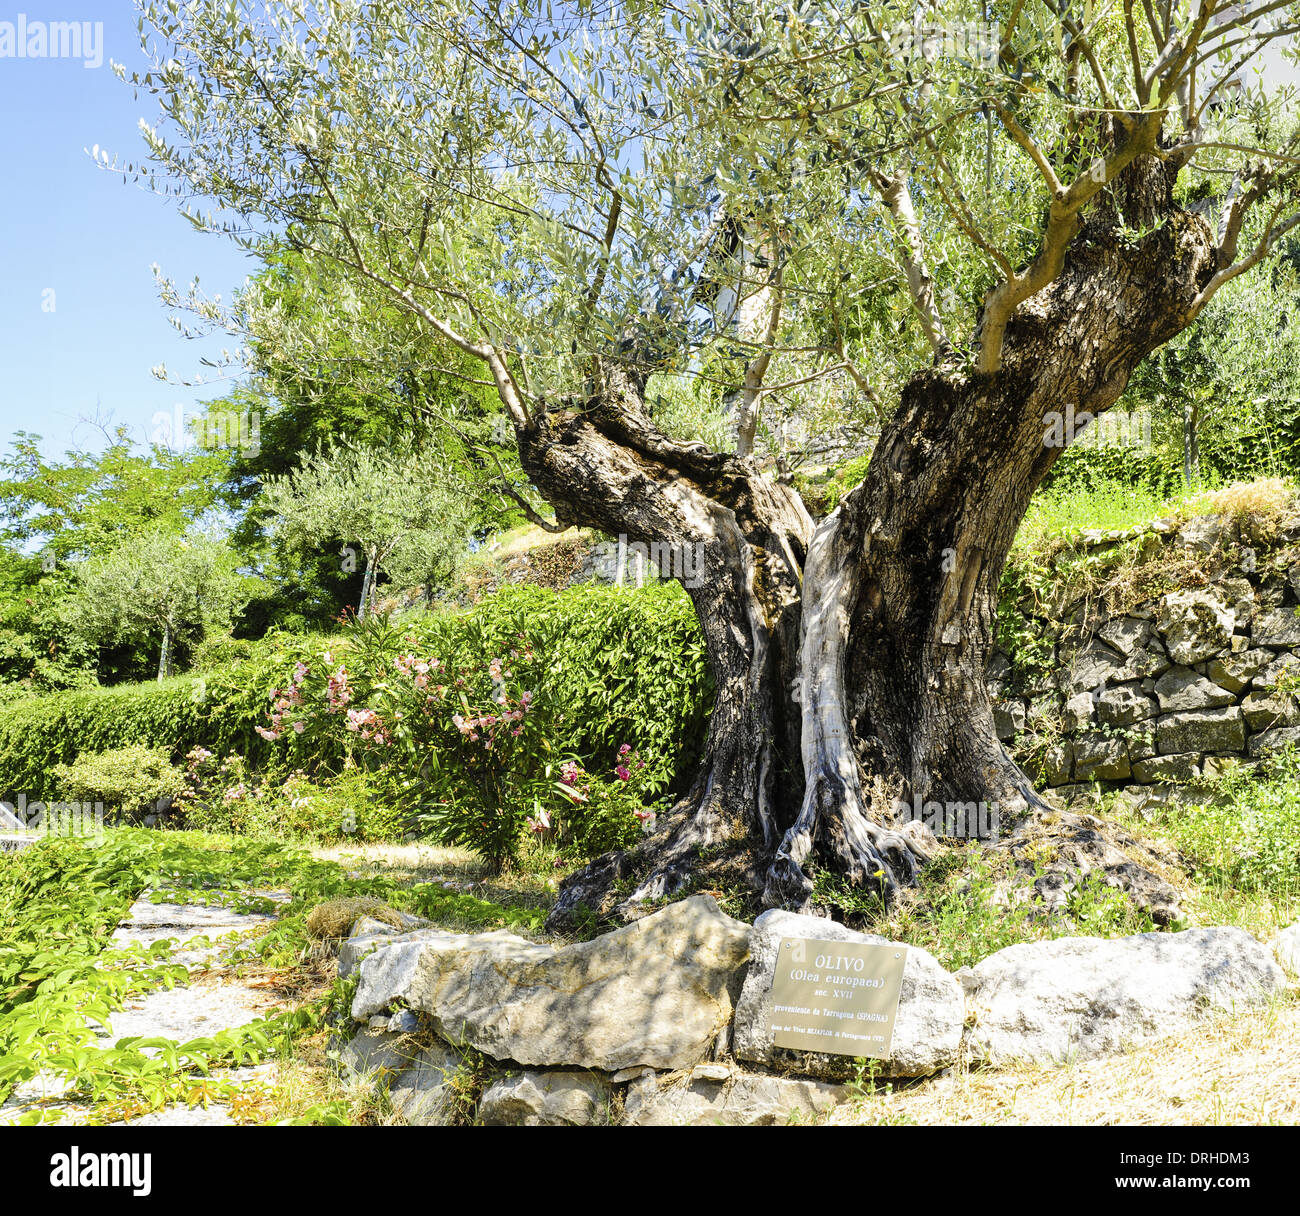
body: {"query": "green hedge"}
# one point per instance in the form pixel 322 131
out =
pixel 626 666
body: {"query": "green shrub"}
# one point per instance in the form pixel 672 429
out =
pixel 219 710
pixel 223 795
pixel 618 666
pixel 130 781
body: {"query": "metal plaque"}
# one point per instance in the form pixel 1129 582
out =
pixel 836 997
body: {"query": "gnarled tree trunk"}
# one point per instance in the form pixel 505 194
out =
pixel 850 659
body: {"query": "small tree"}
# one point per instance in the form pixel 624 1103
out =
pixel 155 585
pixel 401 512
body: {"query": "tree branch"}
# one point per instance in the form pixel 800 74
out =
pixel 898 198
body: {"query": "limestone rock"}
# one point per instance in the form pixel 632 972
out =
pixel 1235 671
pixel 546 1099
pixel 654 992
pixel 1268 709
pixel 377 1051
pixel 1181 688
pixel 423 1094
pixel 1080 997
pixel 1195 625
pixel 1126 634
pixel 1009 719
pixel 1079 711
pixel 1279 628
pixel 1125 704
pixel 1270 741
pixel 1286 946
pixel 1185 767
pixel 747 1100
pixel 1202 730
pixel 1206 532
pixel 1088 668
pixel 927 1029
pixel 1100 757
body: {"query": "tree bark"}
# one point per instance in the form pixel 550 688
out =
pixel 850 660
pixel 1191 444
pixel 164 655
pixel 366 581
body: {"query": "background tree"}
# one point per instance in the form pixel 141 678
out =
pixel 1231 380
pixel 157 585
pixel 393 505
pixel 562 198
pixel 88 502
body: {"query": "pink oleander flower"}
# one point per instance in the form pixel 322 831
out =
pixel 270 735
pixel 623 773
pixel 541 823
pixel 625 749
pixel 299 727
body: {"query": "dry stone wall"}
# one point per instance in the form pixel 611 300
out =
pixel 1186 661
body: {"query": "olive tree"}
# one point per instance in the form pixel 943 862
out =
pixel 155 585
pixel 979 216
pixel 395 504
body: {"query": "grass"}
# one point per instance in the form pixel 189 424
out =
pixel 1056 516
pixel 967 907
pixel 1242 841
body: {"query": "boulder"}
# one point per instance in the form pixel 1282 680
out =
pixel 1125 704
pixel 1267 709
pixel 1009 719
pixel 1058 763
pixel 1270 741
pixel 1235 671
pixel 1088 668
pixel 927 1028
pixel 1126 634
pixel 1080 997
pixel 1101 758
pixel 746 1100
pixel 1206 533
pixel 1186 767
pixel 377 1051
pixel 1079 711
pixel 1286 946
pixel 546 1099
pixel 423 1093
pixel 655 992
pixel 1195 625
pixel 1202 730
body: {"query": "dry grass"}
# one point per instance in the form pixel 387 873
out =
pixel 525 539
pixel 1268 498
pixel 336 917
pixel 1242 1069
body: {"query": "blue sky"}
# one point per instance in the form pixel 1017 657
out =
pixel 75 230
